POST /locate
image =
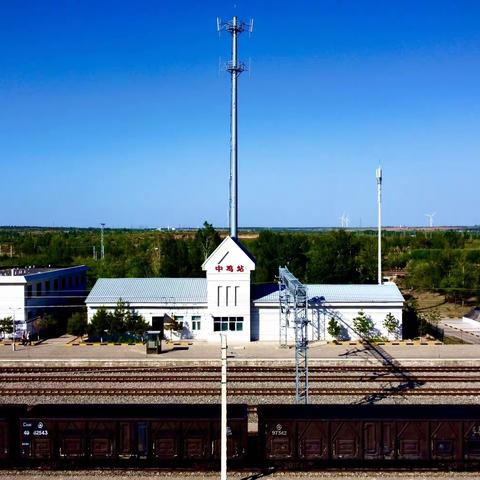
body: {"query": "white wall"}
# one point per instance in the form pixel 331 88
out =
pixel 187 312
pixel 12 298
pixel 269 321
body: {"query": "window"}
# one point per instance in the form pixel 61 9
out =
pixel 179 320
pixel 196 322
pixel 63 283
pixel 29 291
pixel 223 324
pixel 227 292
pixel 47 287
pixel 55 285
pixel 39 289
pixel 236 295
pixel 219 292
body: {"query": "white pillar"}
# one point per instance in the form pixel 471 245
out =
pixel 379 201
pixel 223 432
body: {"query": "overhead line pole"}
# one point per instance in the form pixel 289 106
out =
pixel 223 446
pixel 379 205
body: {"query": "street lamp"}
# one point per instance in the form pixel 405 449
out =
pixel 14 328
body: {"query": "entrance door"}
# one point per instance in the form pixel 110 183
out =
pixel 157 325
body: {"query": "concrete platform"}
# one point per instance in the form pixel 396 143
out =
pixel 59 351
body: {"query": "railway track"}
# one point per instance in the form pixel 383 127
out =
pixel 231 378
pixel 233 391
pixel 248 369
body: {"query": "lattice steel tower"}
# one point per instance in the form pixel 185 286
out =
pixel 293 307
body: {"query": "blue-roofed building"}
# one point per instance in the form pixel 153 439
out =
pixel 27 294
pixel 226 301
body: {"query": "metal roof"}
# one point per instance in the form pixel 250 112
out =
pixel 386 293
pixel 149 290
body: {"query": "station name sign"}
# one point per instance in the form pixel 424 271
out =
pixel 230 268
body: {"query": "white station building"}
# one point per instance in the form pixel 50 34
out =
pixel 226 301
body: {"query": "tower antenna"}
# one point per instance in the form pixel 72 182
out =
pixel 235 68
pixel 102 246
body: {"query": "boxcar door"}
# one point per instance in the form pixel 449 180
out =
pixel 102 439
pixel 236 439
pixel 346 440
pixel 279 439
pixel 446 440
pixel 125 440
pixel 197 440
pixel 471 440
pixel 165 443
pixel 372 441
pixel 71 439
pixel 312 440
pixel 413 440
pixel 388 440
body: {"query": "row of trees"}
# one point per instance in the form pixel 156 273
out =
pixel 122 322
pixel 443 261
pixel 363 325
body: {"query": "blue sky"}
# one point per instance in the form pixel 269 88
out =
pixel 117 112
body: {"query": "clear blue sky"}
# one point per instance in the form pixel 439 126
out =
pixel 116 111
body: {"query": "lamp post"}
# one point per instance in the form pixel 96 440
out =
pixel 14 329
pixel 223 426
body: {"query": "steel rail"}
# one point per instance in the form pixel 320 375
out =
pixel 238 369
pixel 232 378
pixel 233 391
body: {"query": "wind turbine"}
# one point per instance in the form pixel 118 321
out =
pixel 430 218
pixel 343 220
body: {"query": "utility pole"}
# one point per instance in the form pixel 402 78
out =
pixel 102 246
pixel 379 205
pixel 235 68
pixel 223 427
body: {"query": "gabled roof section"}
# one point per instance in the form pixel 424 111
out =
pixel 149 290
pixel 386 293
pixel 228 248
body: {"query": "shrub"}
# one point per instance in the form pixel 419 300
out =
pixel 334 328
pixel 391 324
pixel 364 326
pixel 77 324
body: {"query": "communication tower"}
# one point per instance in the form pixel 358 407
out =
pixel 235 68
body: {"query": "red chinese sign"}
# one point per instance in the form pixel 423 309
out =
pixel 230 268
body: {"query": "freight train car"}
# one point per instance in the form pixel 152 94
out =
pixel 119 435
pixel 313 436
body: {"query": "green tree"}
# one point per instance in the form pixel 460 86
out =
pixel 77 324
pixel 334 328
pixel 118 318
pixel 6 325
pixel 392 325
pixel 364 326
pixel 207 239
pixel 333 259
pixel 100 323
pixel 47 326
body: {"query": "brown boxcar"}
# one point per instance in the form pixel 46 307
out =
pixel 302 436
pixel 160 435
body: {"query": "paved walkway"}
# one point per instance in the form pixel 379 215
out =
pixel 59 349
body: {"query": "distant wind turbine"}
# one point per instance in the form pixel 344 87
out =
pixel 430 218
